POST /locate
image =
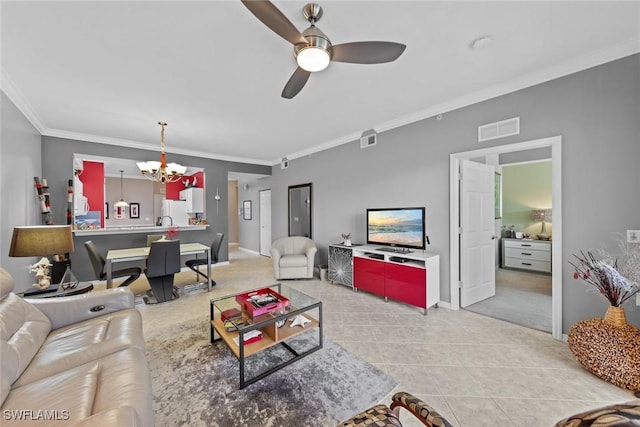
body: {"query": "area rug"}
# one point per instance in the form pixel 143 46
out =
pixel 196 383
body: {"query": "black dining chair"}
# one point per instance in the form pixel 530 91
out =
pixel 194 264
pixel 162 264
pixel 98 263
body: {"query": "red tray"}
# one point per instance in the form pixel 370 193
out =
pixel 245 301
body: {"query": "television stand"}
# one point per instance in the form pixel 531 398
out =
pixel 411 278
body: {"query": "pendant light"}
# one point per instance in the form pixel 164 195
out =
pixel 121 206
pixel 162 171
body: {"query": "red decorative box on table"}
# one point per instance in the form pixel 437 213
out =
pixel 262 301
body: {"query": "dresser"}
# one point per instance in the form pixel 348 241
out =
pixel 523 254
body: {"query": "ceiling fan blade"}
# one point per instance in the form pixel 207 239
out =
pixel 296 82
pixel 271 16
pixel 367 52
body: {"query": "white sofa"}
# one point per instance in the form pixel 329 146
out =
pixel 293 257
pixel 73 361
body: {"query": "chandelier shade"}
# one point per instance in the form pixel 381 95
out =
pixel 161 171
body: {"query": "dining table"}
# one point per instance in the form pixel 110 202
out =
pixel 115 256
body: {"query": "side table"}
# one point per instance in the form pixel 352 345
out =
pixel 80 288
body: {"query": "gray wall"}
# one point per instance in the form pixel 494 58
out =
pixel 249 230
pixel 19 163
pixel 596 112
pixel 58 166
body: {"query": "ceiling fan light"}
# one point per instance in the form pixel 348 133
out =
pixel 313 59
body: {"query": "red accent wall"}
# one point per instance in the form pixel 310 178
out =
pixel 92 178
pixel 174 188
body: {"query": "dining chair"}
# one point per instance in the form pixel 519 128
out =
pixel 194 264
pixel 98 263
pixel 162 264
pixel 153 238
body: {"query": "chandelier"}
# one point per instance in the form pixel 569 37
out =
pixel 161 171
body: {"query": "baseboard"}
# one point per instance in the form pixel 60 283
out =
pixel 248 250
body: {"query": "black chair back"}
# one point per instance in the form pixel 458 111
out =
pixel 164 258
pixel 97 261
pixel 215 247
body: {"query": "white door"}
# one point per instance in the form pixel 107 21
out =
pixel 265 222
pixel 477 239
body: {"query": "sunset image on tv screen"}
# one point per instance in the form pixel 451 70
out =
pixel 402 227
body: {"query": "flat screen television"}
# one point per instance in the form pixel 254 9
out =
pixel 396 227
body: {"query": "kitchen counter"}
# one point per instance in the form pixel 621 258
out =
pixel 136 229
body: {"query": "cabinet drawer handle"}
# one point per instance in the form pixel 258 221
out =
pixel 524 245
pixel 526 263
pixel 524 253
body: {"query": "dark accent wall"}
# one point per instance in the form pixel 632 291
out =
pixel 595 111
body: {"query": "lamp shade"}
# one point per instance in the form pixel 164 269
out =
pixel 541 215
pixel 41 240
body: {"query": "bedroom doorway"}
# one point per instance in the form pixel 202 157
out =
pixel 552 143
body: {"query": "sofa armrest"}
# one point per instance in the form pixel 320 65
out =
pixel 65 311
pixel 423 412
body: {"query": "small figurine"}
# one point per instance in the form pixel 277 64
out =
pixel 299 320
pixel 347 239
pixel 41 268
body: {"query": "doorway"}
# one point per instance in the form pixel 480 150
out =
pixel 455 236
pixel 265 223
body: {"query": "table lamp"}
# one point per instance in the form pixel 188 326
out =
pixel 41 240
pixel 542 215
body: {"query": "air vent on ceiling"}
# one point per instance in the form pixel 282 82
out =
pixel 499 129
pixel 368 139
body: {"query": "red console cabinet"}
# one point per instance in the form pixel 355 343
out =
pixel 368 275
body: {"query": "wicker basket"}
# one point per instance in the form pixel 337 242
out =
pixel 615 316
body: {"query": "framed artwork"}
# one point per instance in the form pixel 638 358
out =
pixel 134 210
pixel 498 195
pixel 106 210
pixel 246 209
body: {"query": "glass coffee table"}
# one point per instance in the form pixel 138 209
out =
pixel 251 323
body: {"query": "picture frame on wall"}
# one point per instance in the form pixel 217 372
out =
pixel 134 210
pixel 246 209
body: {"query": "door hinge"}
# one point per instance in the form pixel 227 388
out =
pixel 459 230
pixel 460 284
pixel 459 176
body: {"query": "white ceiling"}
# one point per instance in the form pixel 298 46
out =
pixel 108 71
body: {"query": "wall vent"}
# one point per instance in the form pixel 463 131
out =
pixel 368 139
pixel 499 129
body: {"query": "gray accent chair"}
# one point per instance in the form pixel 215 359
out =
pixel 162 264
pixel 293 257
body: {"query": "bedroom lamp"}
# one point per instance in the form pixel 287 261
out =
pixel 41 240
pixel 542 215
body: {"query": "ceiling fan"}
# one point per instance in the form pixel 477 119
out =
pixel 313 49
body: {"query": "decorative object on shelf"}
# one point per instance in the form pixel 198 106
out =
pixel 161 171
pixel 42 190
pixel 134 210
pixel 120 206
pixel 246 209
pixel 346 239
pixel 42 271
pixel 29 241
pixel 299 320
pixel 542 215
pixel 70 202
pixel 605 275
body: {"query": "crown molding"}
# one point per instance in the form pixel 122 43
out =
pixel 592 59
pixel 20 101
pixel 58 133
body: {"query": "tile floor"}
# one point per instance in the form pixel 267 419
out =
pixel 475 370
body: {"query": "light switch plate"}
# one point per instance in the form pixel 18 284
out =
pixel 633 236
